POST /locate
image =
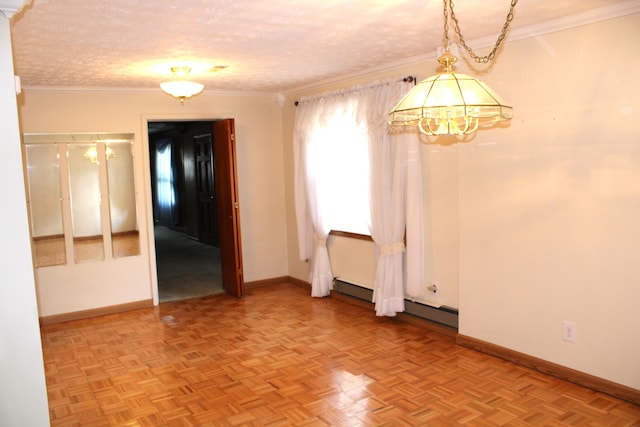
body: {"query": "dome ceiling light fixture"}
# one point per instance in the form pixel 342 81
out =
pixel 181 88
pixel 451 103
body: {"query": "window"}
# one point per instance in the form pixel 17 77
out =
pixel 334 136
pixel 338 158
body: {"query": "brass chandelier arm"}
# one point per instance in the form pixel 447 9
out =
pixel 480 59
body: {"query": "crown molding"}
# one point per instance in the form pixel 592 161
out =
pixel 8 8
pixel 133 90
pixel 592 16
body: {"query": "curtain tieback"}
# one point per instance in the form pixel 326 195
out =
pixel 391 249
pixel 321 242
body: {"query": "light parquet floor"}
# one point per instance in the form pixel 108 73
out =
pixel 281 358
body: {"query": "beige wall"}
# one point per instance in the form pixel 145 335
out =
pixel 259 141
pixel 23 395
pixel 549 207
pixel 537 223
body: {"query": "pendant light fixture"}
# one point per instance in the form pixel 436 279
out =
pixel 451 103
pixel 181 88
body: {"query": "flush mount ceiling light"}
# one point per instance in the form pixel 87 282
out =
pixel 451 103
pixel 181 88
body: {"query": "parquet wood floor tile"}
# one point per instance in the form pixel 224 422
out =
pixel 281 358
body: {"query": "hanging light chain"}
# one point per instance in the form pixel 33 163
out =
pixel 481 59
pixel 445 33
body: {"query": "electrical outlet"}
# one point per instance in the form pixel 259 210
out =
pixel 434 288
pixel 569 331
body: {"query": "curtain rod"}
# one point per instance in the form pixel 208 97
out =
pixel 407 79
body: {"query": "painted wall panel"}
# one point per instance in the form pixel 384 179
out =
pixel 118 281
pixel 549 206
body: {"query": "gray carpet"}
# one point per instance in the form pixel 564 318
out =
pixel 186 268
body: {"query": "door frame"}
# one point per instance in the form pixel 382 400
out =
pixel 148 202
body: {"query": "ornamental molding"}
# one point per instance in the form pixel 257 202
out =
pixel 8 8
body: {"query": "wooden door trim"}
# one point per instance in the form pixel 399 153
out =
pixel 225 159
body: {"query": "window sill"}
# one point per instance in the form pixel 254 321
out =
pixel 351 235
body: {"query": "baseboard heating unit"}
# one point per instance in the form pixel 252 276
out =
pixel 443 315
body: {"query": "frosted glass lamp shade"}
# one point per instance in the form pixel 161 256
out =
pixel 182 89
pixel 450 104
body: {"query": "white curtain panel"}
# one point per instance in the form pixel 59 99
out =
pixel 396 202
pixel 418 271
pixel 394 172
pixel 311 218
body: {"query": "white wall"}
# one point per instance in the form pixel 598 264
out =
pixel 537 223
pixel 23 397
pixel 259 141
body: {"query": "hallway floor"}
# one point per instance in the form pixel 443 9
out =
pixel 186 268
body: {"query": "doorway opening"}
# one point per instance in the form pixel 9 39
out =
pixel 185 228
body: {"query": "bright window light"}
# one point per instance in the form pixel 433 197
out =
pixel 166 194
pixel 338 159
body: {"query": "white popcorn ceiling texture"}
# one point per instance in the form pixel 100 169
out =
pixel 269 46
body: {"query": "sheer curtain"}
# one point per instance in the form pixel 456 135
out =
pixel 360 114
pixel 396 203
pixel 326 130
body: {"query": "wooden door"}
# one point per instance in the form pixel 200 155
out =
pixel 205 182
pixel 224 148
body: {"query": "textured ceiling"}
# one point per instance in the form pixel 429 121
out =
pixel 269 46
